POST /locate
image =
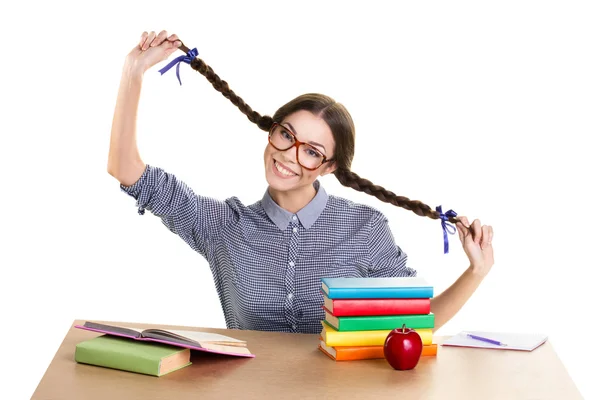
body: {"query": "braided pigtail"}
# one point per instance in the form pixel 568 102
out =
pixel 264 122
pixel 352 180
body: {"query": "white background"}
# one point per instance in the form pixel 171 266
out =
pixel 491 110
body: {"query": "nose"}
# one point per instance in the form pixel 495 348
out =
pixel 290 154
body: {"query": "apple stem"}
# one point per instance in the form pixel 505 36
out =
pixel 403 328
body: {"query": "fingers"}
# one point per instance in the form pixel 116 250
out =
pixel 159 39
pixel 149 39
pixel 171 45
pixel 152 39
pixel 489 237
pixel 485 236
pixel 463 221
pixel 476 231
pixel 143 39
pixel 481 235
pixel 463 228
pixel 461 233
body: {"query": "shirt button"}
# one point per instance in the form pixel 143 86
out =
pixel 295 230
pixel 294 218
pixel 290 295
pixel 292 264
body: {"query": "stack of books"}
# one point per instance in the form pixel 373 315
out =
pixel 361 312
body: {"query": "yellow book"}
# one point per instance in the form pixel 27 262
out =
pixel 332 337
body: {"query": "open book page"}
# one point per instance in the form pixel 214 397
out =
pixel 195 338
pixel 123 330
pixel 203 339
pixel 225 349
pixel 208 337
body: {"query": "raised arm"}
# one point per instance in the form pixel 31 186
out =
pixel 196 219
pixel 124 161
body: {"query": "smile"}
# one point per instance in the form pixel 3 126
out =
pixel 283 170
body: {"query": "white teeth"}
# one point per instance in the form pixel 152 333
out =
pixel 282 170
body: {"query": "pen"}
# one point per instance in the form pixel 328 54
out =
pixel 497 343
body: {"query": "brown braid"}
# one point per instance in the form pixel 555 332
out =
pixel 352 180
pixel 344 175
pixel 264 122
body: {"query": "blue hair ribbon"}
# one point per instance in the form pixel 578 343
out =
pixel 190 55
pixel 446 225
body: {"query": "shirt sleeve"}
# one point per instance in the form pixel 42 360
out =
pixel 196 219
pixel 387 259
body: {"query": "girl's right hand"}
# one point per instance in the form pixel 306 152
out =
pixel 152 49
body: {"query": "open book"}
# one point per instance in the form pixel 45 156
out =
pixel 195 340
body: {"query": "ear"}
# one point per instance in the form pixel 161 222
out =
pixel 329 169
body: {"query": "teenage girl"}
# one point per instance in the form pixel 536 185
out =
pixel 267 258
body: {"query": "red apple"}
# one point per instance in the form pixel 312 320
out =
pixel 403 348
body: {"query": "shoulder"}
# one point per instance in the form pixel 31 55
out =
pixel 253 212
pixel 346 209
pixel 234 203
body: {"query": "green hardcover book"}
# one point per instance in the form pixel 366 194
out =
pixel 380 322
pixel 147 358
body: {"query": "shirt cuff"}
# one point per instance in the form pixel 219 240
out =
pixel 140 190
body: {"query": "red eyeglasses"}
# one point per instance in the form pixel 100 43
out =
pixel 307 155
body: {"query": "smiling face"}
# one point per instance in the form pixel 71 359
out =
pixel 282 170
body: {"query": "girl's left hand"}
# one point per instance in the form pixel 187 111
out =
pixel 477 243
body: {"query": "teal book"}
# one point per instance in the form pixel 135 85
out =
pixel 380 322
pixel 377 288
pixel 147 358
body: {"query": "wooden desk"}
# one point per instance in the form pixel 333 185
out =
pixel 291 366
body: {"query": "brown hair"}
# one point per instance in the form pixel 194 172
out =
pixel 342 127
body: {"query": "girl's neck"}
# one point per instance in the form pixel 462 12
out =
pixel 293 200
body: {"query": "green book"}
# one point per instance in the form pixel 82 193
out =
pixel 380 322
pixel 147 358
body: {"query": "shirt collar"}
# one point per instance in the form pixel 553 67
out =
pixel 307 215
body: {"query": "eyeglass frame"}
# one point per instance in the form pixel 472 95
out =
pixel 297 144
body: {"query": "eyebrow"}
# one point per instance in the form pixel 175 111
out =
pixel 311 142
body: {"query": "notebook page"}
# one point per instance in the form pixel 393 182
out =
pixel 513 341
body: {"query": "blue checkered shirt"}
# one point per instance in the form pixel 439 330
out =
pixel 267 262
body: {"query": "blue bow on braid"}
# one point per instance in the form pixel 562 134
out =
pixel 186 59
pixel 446 225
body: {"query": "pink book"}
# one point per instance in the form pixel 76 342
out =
pixel 195 340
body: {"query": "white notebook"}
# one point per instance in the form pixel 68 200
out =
pixel 506 340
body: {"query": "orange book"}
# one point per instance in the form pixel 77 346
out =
pixel 349 353
pixel 333 337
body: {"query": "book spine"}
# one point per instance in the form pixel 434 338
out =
pixel 349 353
pixel 381 293
pixel 369 338
pixel 364 307
pixel 116 360
pixel 389 322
